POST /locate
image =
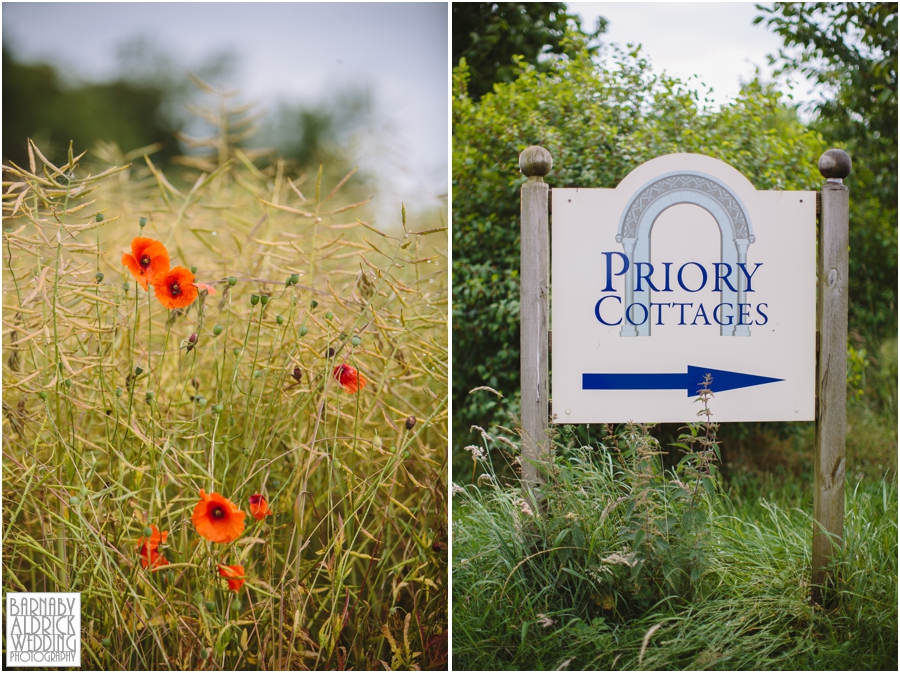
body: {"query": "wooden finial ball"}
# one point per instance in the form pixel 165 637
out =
pixel 535 160
pixel 835 164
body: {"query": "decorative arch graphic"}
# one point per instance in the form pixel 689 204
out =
pixel 699 189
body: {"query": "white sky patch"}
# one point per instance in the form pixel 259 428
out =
pixel 714 41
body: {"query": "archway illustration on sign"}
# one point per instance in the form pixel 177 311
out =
pixel 699 189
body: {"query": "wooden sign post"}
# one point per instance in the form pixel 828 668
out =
pixel 616 355
pixel 534 307
pixel 831 370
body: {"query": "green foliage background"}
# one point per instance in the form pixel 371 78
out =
pixel 598 123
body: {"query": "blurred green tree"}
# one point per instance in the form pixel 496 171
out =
pixel 37 104
pixel 850 50
pixel 489 34
pixel 599 123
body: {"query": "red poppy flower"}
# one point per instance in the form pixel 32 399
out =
pixel 349 378
pixel 156 538
pixel 234 575
pixel 259 508
pixel 147 259
pixel 217 518
pixel 152 558
pixel 175 288
pixel 148 547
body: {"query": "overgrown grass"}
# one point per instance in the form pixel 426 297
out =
pixel 566 585
pixel 113 420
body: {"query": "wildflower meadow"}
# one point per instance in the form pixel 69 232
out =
pixel 225 410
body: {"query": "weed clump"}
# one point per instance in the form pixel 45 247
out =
pixel 617 562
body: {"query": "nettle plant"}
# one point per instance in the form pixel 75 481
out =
pixel 611 532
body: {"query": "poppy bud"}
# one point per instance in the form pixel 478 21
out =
pixel 254 299
pixel 232 281
pixel 191 341
pixel 264 299
pixel 329 315
pixel 236 351
pixel 142 222
pixel 355 341
pixel 43 394
pixel 194 270
pixel 313 303
pixel 304 331
pixel 204 653
pixel 410 422
pixel 148 531
pixel 295 278
pixel 74 500
pixel 297 373
pixel 99 277
pixel 99 217
pixel 279 319
pixel 217 330
pixel 106 642
pixel 211 606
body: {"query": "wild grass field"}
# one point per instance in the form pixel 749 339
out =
pixel 252 479
pixel 623 564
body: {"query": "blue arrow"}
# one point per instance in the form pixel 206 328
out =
pixel 690 382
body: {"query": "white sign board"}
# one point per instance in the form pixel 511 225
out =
pixel 684 269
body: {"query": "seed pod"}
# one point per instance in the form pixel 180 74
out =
pixel 295 278
pixel 329 315
pixel 194 270
pixel 150 395
pixel 264 299
pixel 279 319
pixel 410 422
pixel 355 341
pixel 99 277
pixel 99 217
pixel 217 330
pixel 142 222
pixel 232 281
pixel 138 371
pixel 304 331
pixel 254 299
pixel 313 303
